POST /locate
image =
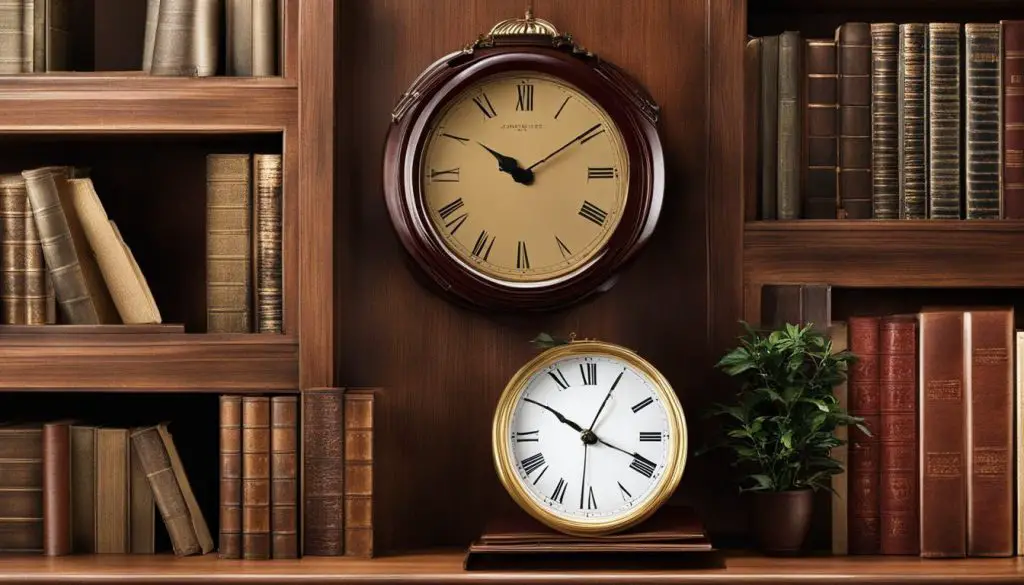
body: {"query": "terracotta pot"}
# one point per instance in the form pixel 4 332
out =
pixel 781 520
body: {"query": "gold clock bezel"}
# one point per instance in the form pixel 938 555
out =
pixel 505 465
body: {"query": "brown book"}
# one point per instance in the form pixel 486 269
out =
pixel 1018 403
pixel 885 151
pixel 284 479
pixel 323 469
pixel 267 252
pixel 839 333
pixel 255 477
pixel 228 244
pixel 172 491
pixel 185 39
pixel 790 126
pixel 62 263
pixel 988 341
pixel 359 407
pixel 21 479
pixel 898 436
pixel 40 298
pixel 56 489
pixel 149 34
pixel 1013 118
pixel 12 37
pixel 83 495
pixel 821 123
pixel 912 103
pixel 944 107
pixel 230 477
pixel 141 509
pixel 943 498
pixel 769 126
pixel 751 128
pixel 251 37
pixel 14 213
pixel 982 118
pixel 865 460
pixel 112 527
pixel 853 41
pixel 50 44
pixel 796 304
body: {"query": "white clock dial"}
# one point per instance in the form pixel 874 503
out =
pixel 590 438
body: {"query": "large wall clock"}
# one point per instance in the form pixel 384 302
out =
pixel 523 172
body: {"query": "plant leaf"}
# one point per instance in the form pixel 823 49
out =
pixel 787 439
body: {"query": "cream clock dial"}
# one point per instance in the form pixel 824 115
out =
pixel 525 177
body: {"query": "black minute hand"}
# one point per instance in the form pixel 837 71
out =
pixel 566 145
pixel 606 397
pixel 561 418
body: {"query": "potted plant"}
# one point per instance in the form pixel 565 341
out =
pixel 781 427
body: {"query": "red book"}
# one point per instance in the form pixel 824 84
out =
pixel 898 436
pixel 865 461
pixel 1013 118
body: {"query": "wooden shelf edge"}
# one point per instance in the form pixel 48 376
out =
pixel 120 80
pixel 886 225
pixel 446 567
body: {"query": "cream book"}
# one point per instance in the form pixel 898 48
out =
pixel 124 279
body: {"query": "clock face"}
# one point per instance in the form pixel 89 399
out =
pixel 525 178
pixel 593 440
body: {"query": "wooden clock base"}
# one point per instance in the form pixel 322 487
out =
pixel 673 538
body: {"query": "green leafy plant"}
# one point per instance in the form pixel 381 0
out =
pixel 781 428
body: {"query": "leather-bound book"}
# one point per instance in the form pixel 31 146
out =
pixel 790 127
pixel 228 244
pixel 50 44
pixel 267 174
pixel 359 407
pixel 185 41
pixel 112 497
pixel 230 546
pixel 14 213
pixel 853 42
pixel 323 472
pixel 12 54
pixel 21 483
pixel 1018 403
pixel 898 436
pixel 769 126
pixel 821 123
pixel 69 283
pixel 56 489
pixel 943 120
pixel 141 509
pixel 252 37
pixel 885 152
pixel 40 298
pixel 83 496
pixel 284 477
pixel 751 128
pixel 1013 117
pixel 149 34
pixel 913 121
pixel 255 477
pixel 838 333
pixel 943 487
pixel 983 80
pixel 988 341
pixel 864 536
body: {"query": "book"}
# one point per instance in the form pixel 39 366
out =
pixel 790 126
pixel 943 120
pixel 982 118
pixel 796 304
pixel 141 509
pixel 56 489
pixel 284 480
pixel 267 252
pixel 228 244
pixel 112 527
pixel 1018 403
pixel 12 37
pixel 323 472
pixel 186 37
pixel 838 333
pixel 820 125
pixel 230 537
pixel 864 523
pixel 769 126
pixel 48 43
pixel 251 37
pixel 83 496
pixel 853 41
pixel 751 129
pixel 21 480
pixel 256 477
pixel 149 34
pixel 897 438
pixel 40 298
pixel 913 121
pixel 359 407
pixel 885 154
pixel 1012 56
pixel 14 252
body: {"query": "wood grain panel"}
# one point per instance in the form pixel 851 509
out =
pixel 443 367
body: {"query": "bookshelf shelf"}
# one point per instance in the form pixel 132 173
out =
pixel 149 362
pixel 885 253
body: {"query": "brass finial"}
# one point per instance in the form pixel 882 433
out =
pixel 529 25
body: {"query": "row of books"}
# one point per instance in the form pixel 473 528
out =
pixel 887 121
pixel 67 488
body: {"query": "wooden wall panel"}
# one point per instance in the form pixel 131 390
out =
pixel 443 367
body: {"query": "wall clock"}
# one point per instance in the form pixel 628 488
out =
pixel 589 438
pixel 523 172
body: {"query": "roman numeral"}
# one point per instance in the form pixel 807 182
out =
pixel 566 252
pixel 591 501
pixel 525 101
pixel 600 173
pixel 589 373
pixel 528 436
pixel 460 139
pixel 642 404
pixel 642 465
pixel 559 493
pixel 592 136
pixel 485 106
pixel 449 176
pixel 457 223
pixel 559 378
pixel 532 463
pixel 623 489
pixel 562 107
pixel 451 208
pixel 593 213
pixel 522 258
pixel 484 243
pixel 650 437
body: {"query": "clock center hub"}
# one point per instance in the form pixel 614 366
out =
pixel 589 438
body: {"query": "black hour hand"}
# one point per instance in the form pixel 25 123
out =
pixel 557 414
pixel 507 164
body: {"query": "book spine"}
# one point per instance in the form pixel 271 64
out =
pixel 751 129
pixel 983 79
pixel 21 481
pixel 943 121
pixel 913 117
pixel 898 436
pixel 267 174
pixel 230 545
pixel 1012 53
pixel 821 123
pixel 149 36
pixel 853 41
pixel 838 333
pixel 57 34
pixel 156 462
pixel 141 508
pixel 58 248
pixel 284 478
pixel 323 472
pixel 359 405
pixel 56 489
pixel 12 56
pixel 790 133
pixel 83 496
pixel 40 299
pixel 1018 399
pixel 29 17
pixel 943 499
pixel 255 477
pixel 185 41
pixel 885 175
pixel 112 473
pixel 252 37
pixel 865 461
pixel 228 244
pixel 990 433
pixel 769 126
pixel 13 247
